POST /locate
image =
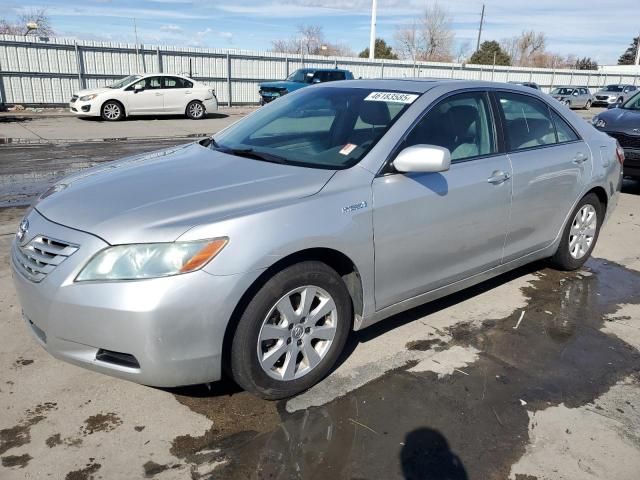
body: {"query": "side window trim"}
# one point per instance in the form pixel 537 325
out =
pixel 386 166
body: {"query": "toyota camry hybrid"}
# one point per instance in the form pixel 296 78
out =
pixel 257 251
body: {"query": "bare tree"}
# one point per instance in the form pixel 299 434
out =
pixel 437 34
pixel 429 39
pixel 310 40
pixel 408 41
pixel 462 51
pixel 38 16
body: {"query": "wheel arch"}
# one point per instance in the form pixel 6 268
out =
pixel 335 259
pixel 601 193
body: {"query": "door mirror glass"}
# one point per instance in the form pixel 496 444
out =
pixel 423 158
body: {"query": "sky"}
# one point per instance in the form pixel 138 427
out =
pixel 601 30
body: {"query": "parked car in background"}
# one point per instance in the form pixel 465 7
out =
pixel 149 94
pixel 623 124
pixel 573 97
pixel 259 250
pixel 533 85
pixel 302 77
pixel 614 94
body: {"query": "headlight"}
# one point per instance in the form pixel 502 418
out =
pixel 598 122
pixel 86 98
pixel 150 260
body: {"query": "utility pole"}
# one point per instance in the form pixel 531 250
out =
pixel 637 62
pixel 135 33
pixel 480 29
pixel 372 38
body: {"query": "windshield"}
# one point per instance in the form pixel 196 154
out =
pixel 301 76
pixel 562 91
pixel 331 128
pixel 614 88
pixel 633 103
pixel 125 81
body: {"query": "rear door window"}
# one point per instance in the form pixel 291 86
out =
pixel 563 129
pixel 528 121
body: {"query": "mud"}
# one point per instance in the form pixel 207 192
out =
pixel 102 422
pixel 20 434
pixel 468 425
pixel 86 473
pixel 53 440
pixel 19 461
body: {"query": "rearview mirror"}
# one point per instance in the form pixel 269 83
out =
pixel 423 158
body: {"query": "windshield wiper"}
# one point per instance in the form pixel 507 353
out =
pixel 251 153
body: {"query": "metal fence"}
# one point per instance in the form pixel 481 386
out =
pixel 46 71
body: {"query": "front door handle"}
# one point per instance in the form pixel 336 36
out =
pixel 498 177
pixel 158 94
pixel 580 158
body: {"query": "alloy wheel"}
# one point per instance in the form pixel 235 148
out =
pixel 297 333
pixel 583 231
pixel 112 111
pixel 196 110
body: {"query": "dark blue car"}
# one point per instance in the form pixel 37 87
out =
pixel 623 123
pixel 302 77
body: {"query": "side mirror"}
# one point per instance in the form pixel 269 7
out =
pixel 423 158
pixel 575 94
pixel 316 80
pixel 138 88
pixel 612 105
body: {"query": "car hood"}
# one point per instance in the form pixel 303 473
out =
pixel 90 91
pixel 608 94
pixel 283 84
pixel 621 120
pixel 157 197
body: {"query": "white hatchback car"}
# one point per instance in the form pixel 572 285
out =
pixel 150 94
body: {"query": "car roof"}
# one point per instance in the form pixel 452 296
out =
pixel 323 69
pixel 421 85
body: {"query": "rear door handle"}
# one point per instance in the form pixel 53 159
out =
pixel 498 177
pixel 580 158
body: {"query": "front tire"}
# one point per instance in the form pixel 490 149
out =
pixel 112 111
pixel 588 105
pixel 195 110
pixel 580 234
pixel 292 331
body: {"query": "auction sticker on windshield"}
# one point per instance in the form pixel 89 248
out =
pixel 395 97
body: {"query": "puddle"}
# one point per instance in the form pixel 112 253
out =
pixel 467 425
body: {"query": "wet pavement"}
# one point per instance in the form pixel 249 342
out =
pixel 419 425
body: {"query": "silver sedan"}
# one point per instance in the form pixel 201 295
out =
pixel 258 251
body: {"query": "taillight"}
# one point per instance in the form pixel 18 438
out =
pixel 620 153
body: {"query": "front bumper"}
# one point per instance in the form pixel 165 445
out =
pixel 172 327
pixel 609 101
pixel 84 109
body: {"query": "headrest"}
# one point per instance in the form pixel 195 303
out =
pixel 374 113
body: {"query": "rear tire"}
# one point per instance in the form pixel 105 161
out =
pixel 112 111
pixel 279 327
pixel 195 110
pixel 580 234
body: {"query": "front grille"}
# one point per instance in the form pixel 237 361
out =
pixel 626 141
pixel 602 97
pixel 74 98
pixel 41 256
